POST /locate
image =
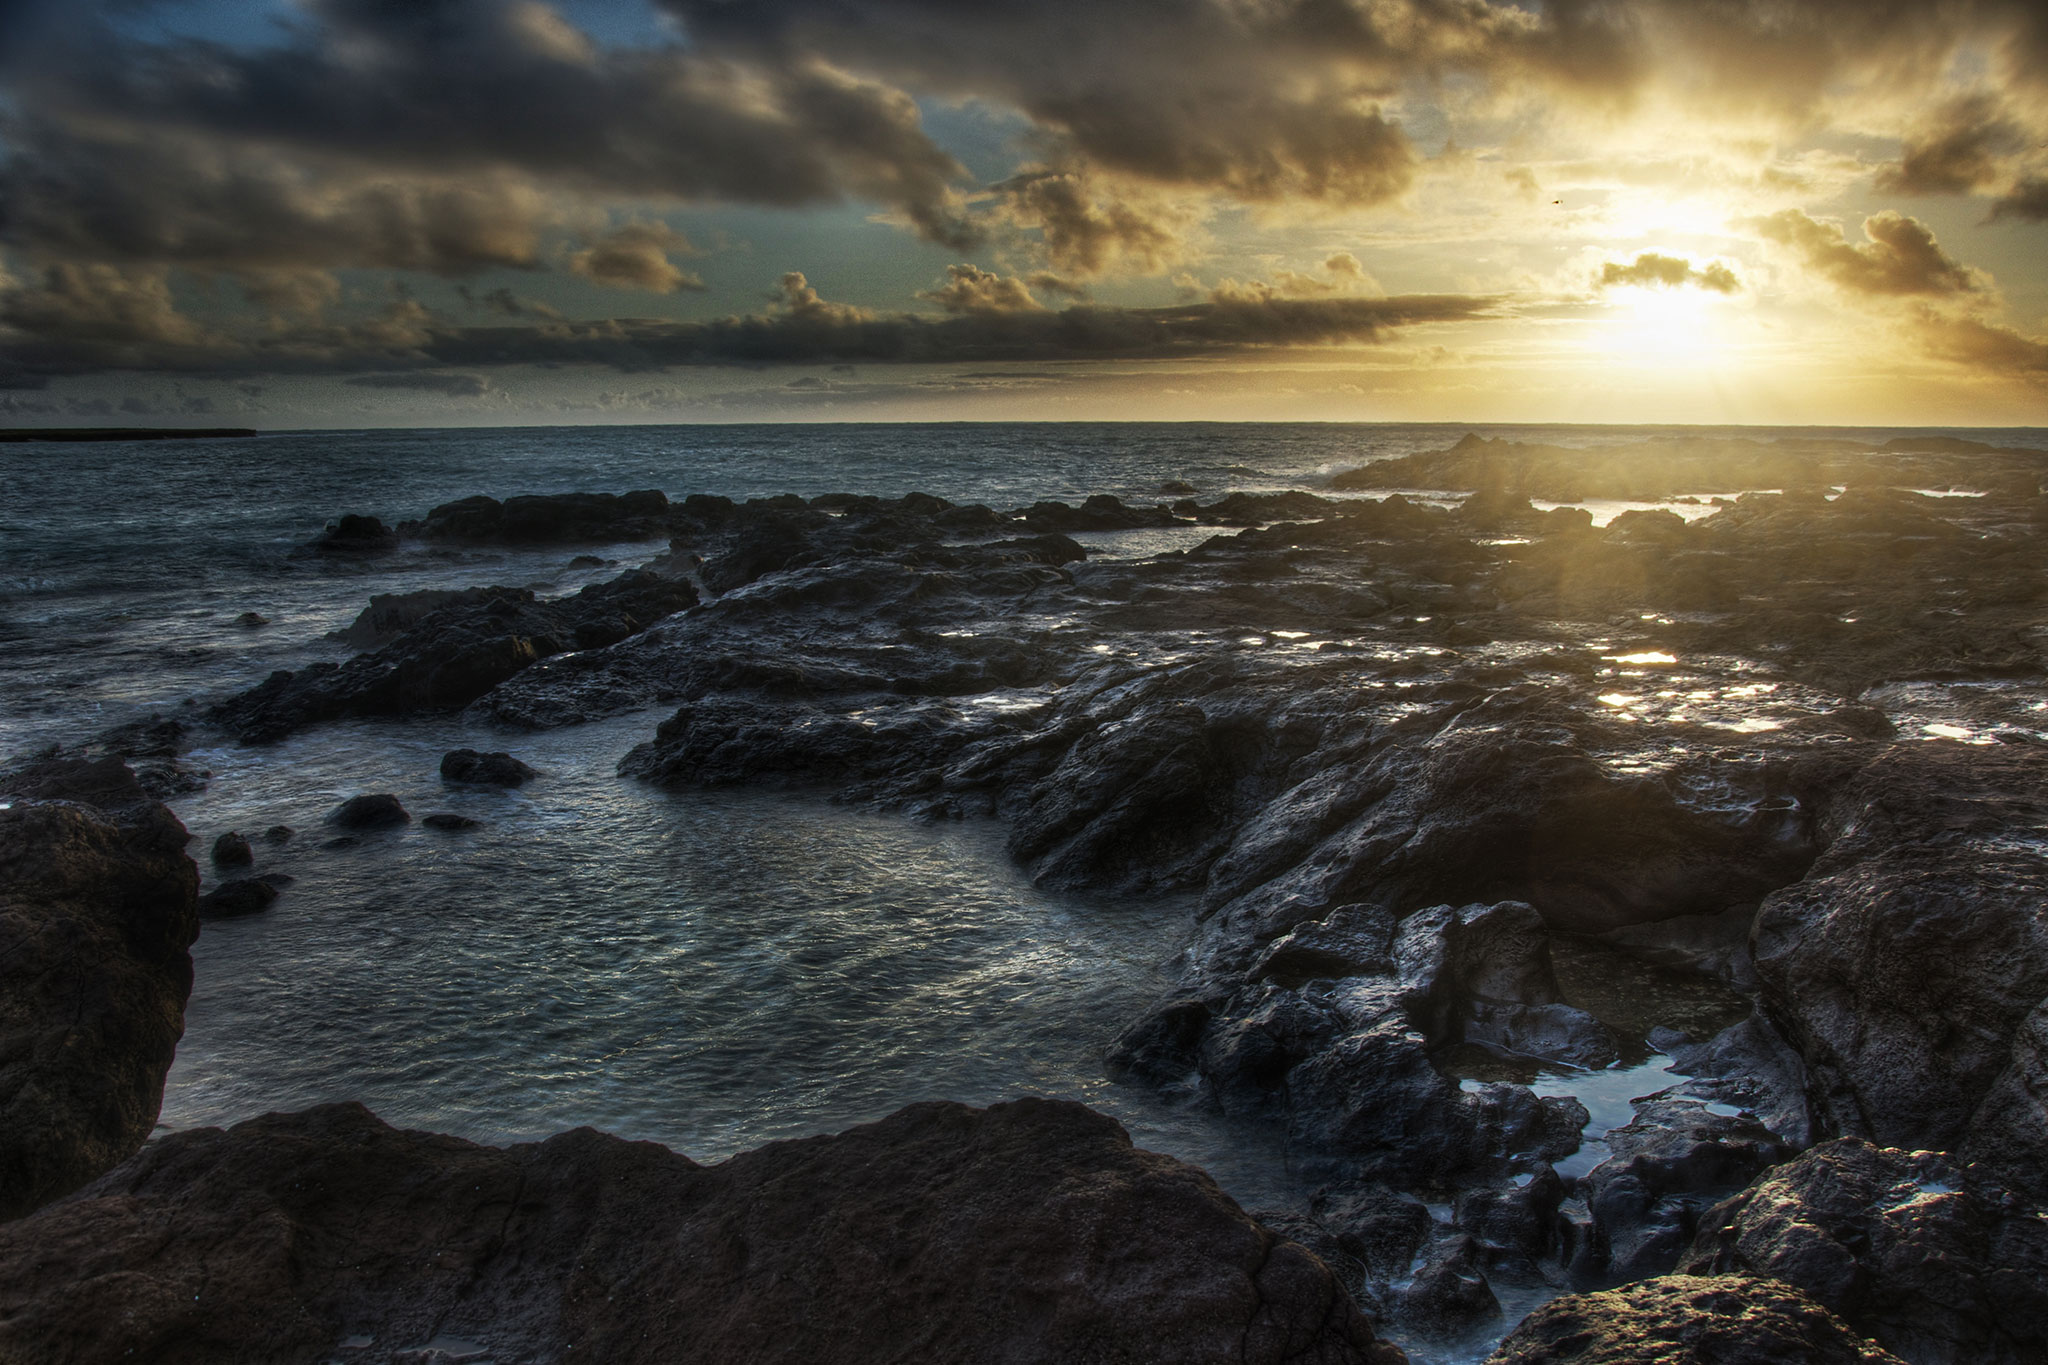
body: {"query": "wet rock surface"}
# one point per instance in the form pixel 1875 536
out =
pixel 1030 1231
pixel 1936 1261
pixel 1688 1320
pixel 1911 968
pixel 1482 807
pixel 456 652
pixel 96 916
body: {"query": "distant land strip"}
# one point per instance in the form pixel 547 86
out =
pixel 119 433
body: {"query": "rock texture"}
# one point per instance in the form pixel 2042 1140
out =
pixel 453 654
pixel 1687 1320
pixel 1939 1264
pixel 1030 1231
pixel 96 916
pixel 1911 967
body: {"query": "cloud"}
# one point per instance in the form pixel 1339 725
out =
pixel 503 301
pixel 636 256
pixel 970 289
pixel 1961 150
pixel 1900 257
pixel 802 305
pixel 1343 275
pixel 150 197
pixel 1085 234
pixel 435 96
pixel 407 340
pixel 1651 270
pixel 107 308
pixel 1984 347
pixel 449 385
pixel 2028 199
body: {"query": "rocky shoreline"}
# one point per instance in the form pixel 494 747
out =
pixel 1473 799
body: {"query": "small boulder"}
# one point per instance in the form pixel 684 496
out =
pixel 250 620
pixel 278 834
pixel 494 770
pixel 232 850
pixel 380 811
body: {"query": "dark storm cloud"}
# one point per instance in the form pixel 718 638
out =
pixel 152 195
pixel 1669 272
pixel 407 339
pixel 449 385
pixel 451 89
pixel 1901 256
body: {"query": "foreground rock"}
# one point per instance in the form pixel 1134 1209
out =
pixel 96 917
pixel 1029 1231
pixel 1688 1320
pixel 1911 967
pixel 1936 1262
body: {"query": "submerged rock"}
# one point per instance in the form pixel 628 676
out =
pixel 1029 1231
pixel 1688 1320
pixel 448 821
pixel 97 912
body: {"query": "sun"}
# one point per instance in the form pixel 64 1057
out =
pixel 1664 327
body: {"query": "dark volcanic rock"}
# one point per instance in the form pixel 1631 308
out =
pixel 1687 1320
pixel 235 899
pixel 1671 1162
pixel 559 518
pixel 380 811
pixel 1911 968
pixel 96 916
pixel 1029 1231
pixel 1938 1264
pixel 354 535
pixel 493 769
pixel 232 850
pixel 455 654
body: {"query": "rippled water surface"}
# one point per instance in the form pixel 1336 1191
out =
pixel 710 971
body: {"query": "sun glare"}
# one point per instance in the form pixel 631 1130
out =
pixel 1660 327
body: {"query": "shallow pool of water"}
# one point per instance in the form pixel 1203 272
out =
pixel 706 970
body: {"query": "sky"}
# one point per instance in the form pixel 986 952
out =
pixel 308 213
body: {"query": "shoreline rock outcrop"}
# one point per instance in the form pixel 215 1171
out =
pixel 1026 1232
pixel 97 914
